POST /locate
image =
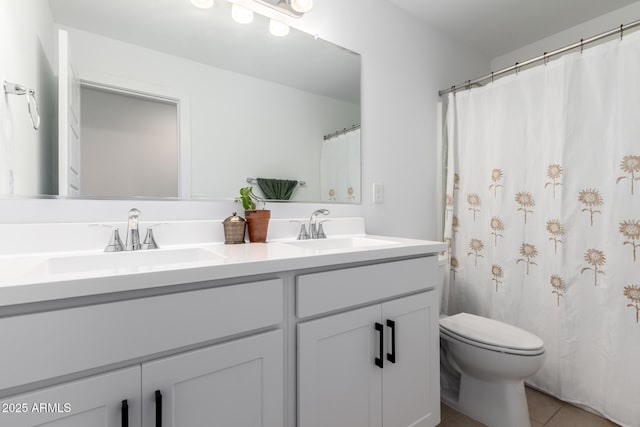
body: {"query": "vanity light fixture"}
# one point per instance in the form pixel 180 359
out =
pixel 292 8
pixel 301 6
pixel 278 29
pixel 202 4
pixel 241 14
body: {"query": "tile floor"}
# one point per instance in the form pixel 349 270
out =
pixel 544 410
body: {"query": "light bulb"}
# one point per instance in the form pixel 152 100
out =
pixel 278 29
pixel 241 14
pixel 302 6
pixel 202 4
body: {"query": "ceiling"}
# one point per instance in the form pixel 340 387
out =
pixel 211 37
pixel 497 27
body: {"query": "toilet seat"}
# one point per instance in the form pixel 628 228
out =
pixel 454 337
pixel 491 335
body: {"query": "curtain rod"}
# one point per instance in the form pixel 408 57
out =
pixel 544 57
pixel 341 132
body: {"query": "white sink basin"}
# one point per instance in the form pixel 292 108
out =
pixel 135 260
pixel 340 244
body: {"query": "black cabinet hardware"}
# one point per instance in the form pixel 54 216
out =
pixel 158 408
pixel 125 413
pixel 391 357
pixel 378 360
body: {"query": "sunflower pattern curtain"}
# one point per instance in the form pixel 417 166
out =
pixel 543 218
pixel 340 168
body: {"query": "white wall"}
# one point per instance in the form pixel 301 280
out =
pixel 27 57
pixel 241 126
pixel 404 64
pixel 569 36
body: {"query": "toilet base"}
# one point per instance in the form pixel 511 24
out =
pixel 496 404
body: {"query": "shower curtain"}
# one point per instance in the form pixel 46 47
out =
pixel 340 168
pixel 542 215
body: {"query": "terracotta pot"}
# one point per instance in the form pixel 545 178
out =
pixel 258 224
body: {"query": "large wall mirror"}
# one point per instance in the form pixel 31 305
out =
pixel 160 99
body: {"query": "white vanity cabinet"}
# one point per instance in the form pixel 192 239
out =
pixel 373 366
pixel 334 340
pixel 411 383
pixel 237 380
pixel 237 384
pixel 108 400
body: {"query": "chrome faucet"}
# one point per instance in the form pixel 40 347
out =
pixel 315 228
pixel 133 234
pixel 132 242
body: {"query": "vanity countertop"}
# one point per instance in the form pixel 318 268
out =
pixel 29 278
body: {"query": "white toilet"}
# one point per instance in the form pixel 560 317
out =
pixel 492 359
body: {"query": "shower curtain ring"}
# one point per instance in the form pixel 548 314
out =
pixel 468 85
pixel 621 31
pixel 545 60
pixel 581 45
pixel 492 77
pixel 517 68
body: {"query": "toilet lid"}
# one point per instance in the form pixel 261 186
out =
pixel 490 332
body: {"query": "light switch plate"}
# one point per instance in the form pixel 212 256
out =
pixel 378 193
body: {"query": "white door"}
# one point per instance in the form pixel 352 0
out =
pixel 339 384
pixel 411 374
pixel 93 401
pixel 68 120
pixel 235 384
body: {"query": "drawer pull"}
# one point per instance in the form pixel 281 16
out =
pixel 158 408
pixel 391 357
pixel 378 360
pixel 125 413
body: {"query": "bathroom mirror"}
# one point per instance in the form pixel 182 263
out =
pixel 161 99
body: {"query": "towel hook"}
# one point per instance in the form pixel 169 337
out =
pixel 30 96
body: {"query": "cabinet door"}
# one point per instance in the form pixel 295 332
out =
pixel 239 384
pixel 93 401
pixel 411 393
pixel 338 383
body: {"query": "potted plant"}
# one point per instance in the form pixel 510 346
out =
pixel 257 219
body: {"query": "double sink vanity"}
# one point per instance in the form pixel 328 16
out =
pixel 334 332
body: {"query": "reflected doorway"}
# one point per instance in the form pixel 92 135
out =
pixel 130 144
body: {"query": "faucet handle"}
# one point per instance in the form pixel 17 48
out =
pixel 115 243
pixel 320 231
pixel 149 239
pixel 302 235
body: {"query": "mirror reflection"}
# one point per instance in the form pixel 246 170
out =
pixel 160 99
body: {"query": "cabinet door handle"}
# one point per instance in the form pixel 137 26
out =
pixel 391 357
pixel 158 408
pixel 378 360
pixel 125 413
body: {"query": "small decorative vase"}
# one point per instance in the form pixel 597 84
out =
pixel 234 227
pixel 258 224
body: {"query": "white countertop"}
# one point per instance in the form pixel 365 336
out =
pixel 23 279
